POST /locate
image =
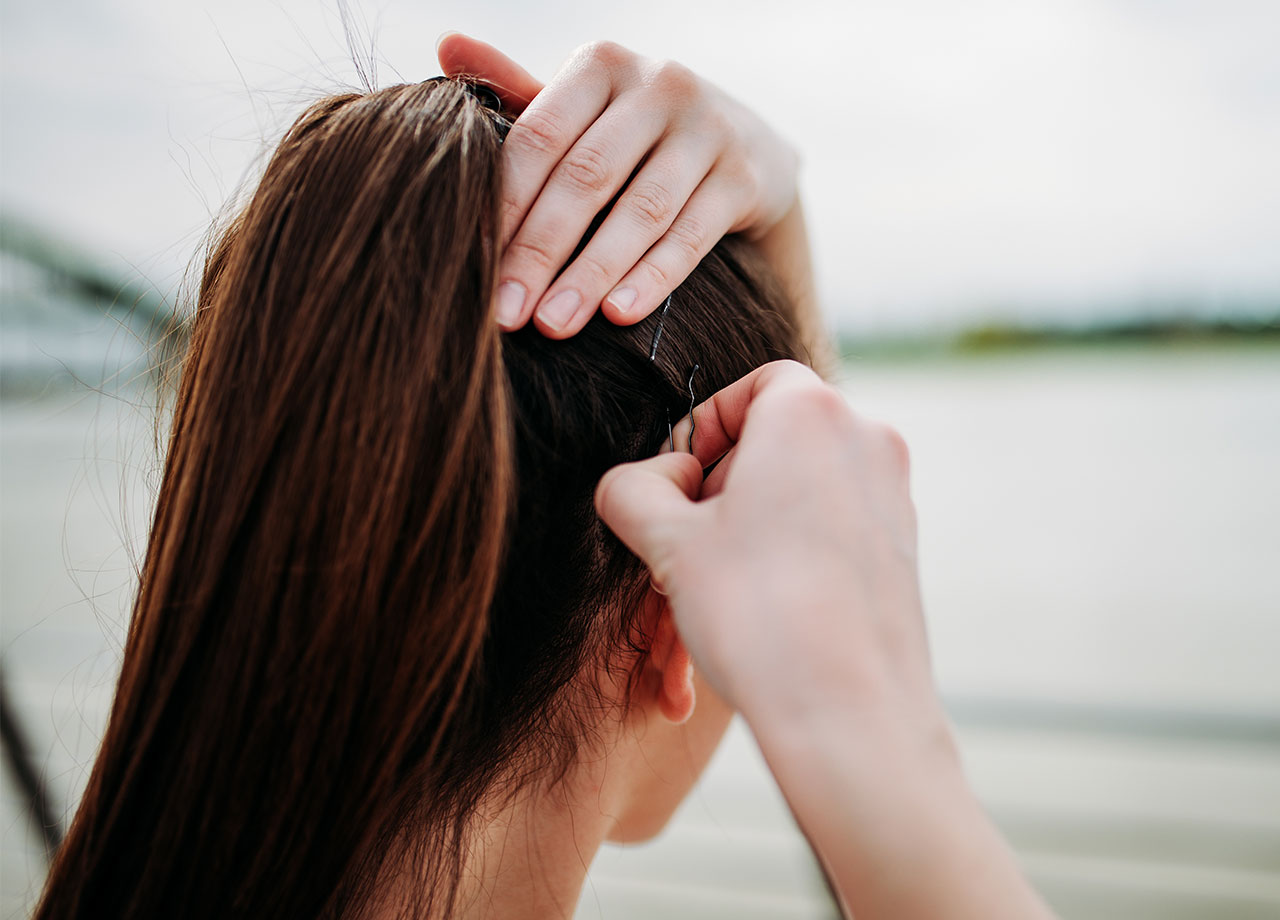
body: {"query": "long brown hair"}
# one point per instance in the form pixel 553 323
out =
pixel 374 576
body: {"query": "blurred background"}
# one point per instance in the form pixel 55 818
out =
pixel 1047 237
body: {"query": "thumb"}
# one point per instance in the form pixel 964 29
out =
pixel 649 503
pixel 462 55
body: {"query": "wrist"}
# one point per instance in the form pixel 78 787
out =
pixel 885 804
pixel 842 693
pixel 869 738
pixel 887 774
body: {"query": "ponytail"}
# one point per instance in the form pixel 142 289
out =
pixel 327 684
pixel 327 538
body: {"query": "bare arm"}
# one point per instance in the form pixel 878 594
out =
pixel 895 822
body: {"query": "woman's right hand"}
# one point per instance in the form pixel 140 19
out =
pixel 791 571
pixel 791 574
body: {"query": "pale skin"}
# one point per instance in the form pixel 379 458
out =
pixel 785 584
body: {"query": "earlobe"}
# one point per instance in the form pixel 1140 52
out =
pixel 676 697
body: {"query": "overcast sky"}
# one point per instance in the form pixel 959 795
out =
pixel 1061 158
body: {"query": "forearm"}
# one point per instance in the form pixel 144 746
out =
pixel 889 811
pixel 785 247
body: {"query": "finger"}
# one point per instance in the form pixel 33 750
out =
pixel 643 212
pixel 718 421
pixel 463 56
pixel 714 482
pixel 649 504
pixel 707 216
pixel 537 142
pixel 589 175
pixel 553 122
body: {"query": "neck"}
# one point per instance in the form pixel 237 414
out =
pixel 528 859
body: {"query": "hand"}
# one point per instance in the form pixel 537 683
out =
pixel 791 572
pixel 704 166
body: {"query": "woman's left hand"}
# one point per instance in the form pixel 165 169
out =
pixel 694 163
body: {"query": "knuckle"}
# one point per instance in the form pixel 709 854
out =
pixel 606 53
pixel 651 204
pixel 826 401
pixel 788 369
pixel 534 249
pixel 789 366
pixel 659 278
pixel 690 235
pixel 587 168
pixel 538 132
pixel 744 176
pixel 718 124
pixel 887 441
pixel 510 209
pixel 674 79
pixel 589 264
pixel 898 448
pixel 813 405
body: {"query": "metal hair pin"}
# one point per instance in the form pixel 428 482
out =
pixel 657 333
pixel 692 399
pixel 653 355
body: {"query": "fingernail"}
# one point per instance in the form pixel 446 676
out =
pixel 623 299
pixel 557 311
pixel 510 302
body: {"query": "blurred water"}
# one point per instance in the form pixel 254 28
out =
pixel 1097 525
pixel 1099 529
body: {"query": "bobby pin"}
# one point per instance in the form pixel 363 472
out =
pixel 692 400
pixel 657 333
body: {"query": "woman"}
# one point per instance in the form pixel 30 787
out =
pixel 385 660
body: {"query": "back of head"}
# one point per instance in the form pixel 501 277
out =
pixel 375 589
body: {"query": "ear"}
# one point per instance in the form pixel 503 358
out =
pixel 676 698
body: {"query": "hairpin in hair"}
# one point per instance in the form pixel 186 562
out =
pixel 692 399
pixel 657 333
pixel 653 354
